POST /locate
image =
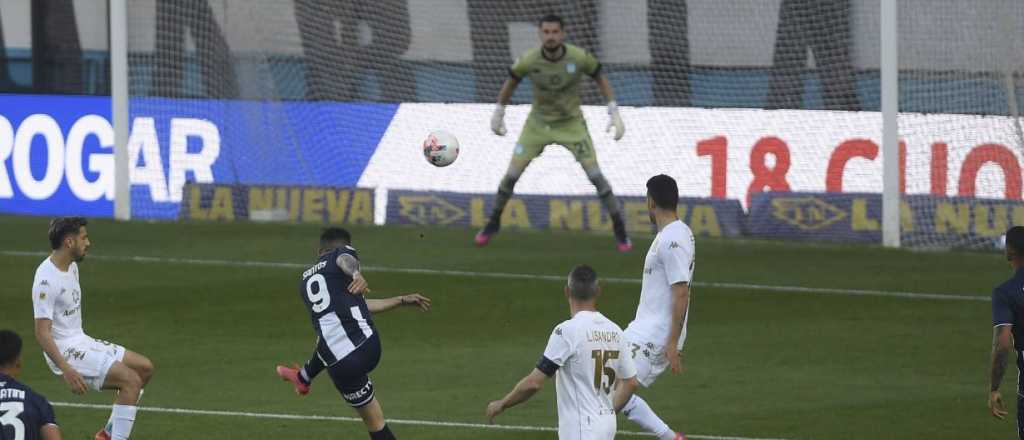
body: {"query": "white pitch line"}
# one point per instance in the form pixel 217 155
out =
pixel 525 276
pixel 433 423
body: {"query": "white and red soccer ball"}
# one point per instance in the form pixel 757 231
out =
pixel 441 148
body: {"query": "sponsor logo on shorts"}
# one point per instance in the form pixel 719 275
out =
pixel 571 67
pixel 519 150
pixel 72 353
pixel 359 395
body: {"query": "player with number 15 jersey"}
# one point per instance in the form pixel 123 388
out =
pixel 589 358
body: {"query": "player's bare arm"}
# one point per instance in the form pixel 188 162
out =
pixel 614 118
pixel 350 265
pixel 522 392
pixel 44 335
pixel 412 299
pixel 605 87
pixel 624 389
pixel 50 432
pixel 504 96
pixel 1002 340
pixel 680 302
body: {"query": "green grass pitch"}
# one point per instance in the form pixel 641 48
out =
pixel 759 364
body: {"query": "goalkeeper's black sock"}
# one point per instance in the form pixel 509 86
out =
pixel 494 222
pixel 383 434
pixel 619 227
pixel 505 188
pixel 611 204
pixel 493 225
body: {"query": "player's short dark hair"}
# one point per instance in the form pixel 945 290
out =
pixel 334 237
pixel 664 191
pixel 10 347
pixel 1015 240
pixel 583 283
pixel 61 227
pixel 552 18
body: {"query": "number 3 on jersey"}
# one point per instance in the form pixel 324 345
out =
pixel 316 291
pixel 9 412
pixel 601 358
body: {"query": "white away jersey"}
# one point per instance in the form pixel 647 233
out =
pixel 57 296
pixel 589 353
pixel 669 261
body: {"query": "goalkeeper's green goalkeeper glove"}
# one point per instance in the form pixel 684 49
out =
pixel 615 120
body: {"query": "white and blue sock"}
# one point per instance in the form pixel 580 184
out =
pixel 109 427
pixel 638 411
pixel 124 420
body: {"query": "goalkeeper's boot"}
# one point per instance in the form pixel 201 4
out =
pixel 623 243
pixel 291 374
pixel 680 436
pixel 484 236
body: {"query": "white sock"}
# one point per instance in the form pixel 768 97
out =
pixel 640 412
pixel 110 421
pixel 124 419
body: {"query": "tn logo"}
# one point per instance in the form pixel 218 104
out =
pixel 429 210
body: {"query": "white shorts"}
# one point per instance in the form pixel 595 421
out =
pixel 600 427
pixel 649 359
pixel 90 357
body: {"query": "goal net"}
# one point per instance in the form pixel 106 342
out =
pixel 959 121
pixel 771 104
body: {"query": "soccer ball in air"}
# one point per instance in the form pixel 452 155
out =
pixel 441 148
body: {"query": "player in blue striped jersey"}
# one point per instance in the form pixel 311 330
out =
pixel 24 415
pixel 348 345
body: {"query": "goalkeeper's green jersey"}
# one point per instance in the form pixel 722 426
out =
pixel 556 83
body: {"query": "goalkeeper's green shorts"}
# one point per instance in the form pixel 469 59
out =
pixel 571 134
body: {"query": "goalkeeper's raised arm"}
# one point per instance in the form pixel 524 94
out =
pixel 555 70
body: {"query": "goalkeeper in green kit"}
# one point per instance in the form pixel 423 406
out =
pixel 556 70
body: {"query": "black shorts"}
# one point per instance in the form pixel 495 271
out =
pixel 351 374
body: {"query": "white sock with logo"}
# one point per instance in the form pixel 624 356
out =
pixel 108 428
pixel 124 419
pixel 638 411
